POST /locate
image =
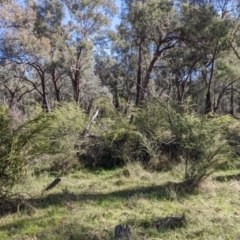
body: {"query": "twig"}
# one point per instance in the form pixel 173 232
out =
pixel 86 130
pixel 52 185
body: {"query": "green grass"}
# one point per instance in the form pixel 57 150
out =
pixel 88 206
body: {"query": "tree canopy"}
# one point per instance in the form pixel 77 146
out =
pixel 54 51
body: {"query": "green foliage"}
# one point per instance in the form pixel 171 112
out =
pixel 116 147
pixel 68 121
pixel 105 105
pixel 162 138
pixel 151 119
pixel 233 136
pixel 202 142
pixel 20 145
pixel 196 144
pixel 54 134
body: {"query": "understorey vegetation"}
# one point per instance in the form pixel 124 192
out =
pixel 159 137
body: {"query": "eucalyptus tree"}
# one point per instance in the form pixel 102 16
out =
pixel 72 32
pixel 209 29
pixel 117 67
pixel 191 37
pixel 54 49
pixel 118 72
pixel 33 43
pixel 106 69
pixel 133 25
pixel 13 18
pixel 13 88
pixel 179 66
pixel 89 20
pixel 153 28
pixel 50 27
pixel 210 32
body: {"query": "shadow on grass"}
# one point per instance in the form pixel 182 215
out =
pixel 227 178
pixel 53 227
pixel 25 228
pixel 8 207
pixel 168 191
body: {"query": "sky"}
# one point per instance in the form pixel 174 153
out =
pixel 116 20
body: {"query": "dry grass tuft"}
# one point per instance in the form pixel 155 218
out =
pixel 207 185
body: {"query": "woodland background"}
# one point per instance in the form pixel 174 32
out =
pixel 139 121
pixel 161 90
pixel 161 84
pixel 53 52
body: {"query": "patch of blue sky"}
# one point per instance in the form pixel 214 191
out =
pixel 116 19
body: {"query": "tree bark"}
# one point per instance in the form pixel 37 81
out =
pixel 45 105
pixel 55 84
pixel 232 101
pixel 208 103
pixel 147 76
pixel 139 73
pixel 76 79
pixel 160 48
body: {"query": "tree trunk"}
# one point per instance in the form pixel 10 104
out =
pixel 208 104
pixel 160 48
pixel 76 79
pixel 231 101
pixel 75 85
pixel 45 105
pixel 147 76
pixel 116 100
pixel 55 84
pixel 139 74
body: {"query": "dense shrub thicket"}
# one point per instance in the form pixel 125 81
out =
pixel 19 144
pixel 203 142
pixel 160 137
pixel 163 137
pixel 115 147
pixel 41 135
pixel 68 122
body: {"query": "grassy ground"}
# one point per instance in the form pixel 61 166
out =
pixel 88 206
